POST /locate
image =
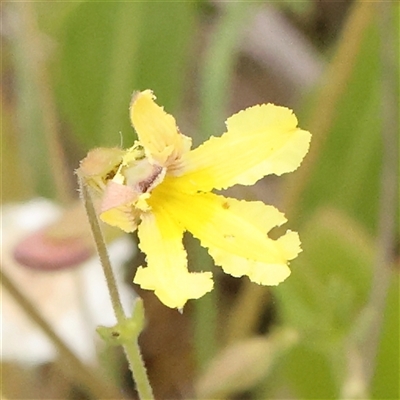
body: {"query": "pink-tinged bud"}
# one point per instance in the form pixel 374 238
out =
pixel 100 161
pixel 116 195
pixel 99 166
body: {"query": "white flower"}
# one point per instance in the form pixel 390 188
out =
pixel 74 301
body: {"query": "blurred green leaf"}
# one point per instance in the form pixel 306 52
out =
pixel 348 172
pixel 328 289
pixel 308 374
pixel 166 44
pixel 110 49
pixel 241 365
pixel 15 179
pixel 89 42
pixel 219 62
pixel 299 7
pixel 386 384
pixel 32 142
pixel 326 296
pixel 331 279
pixel 51 19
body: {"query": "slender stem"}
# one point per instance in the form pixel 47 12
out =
pixel 72 365
pixel 102 252
pixel 136 363
pixel 131 346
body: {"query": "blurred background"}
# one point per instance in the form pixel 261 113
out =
pixel 331 330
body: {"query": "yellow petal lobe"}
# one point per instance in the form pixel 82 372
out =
pixel 123 217
pixel 270 274
pixel 235 232
pixel 166 273
pixel 157 130
pixel 259 141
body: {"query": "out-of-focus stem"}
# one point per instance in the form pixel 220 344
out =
pixel 73 366
pixel 30 36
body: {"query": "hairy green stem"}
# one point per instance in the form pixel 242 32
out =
pixel 130 345
pixel 136 363
pixel 102 252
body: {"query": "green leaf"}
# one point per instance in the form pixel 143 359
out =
pixel 241 365
pixel 95 75
pixel 110 49
pixel 386 383
pixel 347 174
pixel 323 298
pixel 165 47
pixel 301 7
pixel 308 373
pixel 219 62
pixel 330 281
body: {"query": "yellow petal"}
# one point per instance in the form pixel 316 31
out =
pixel 124 217
pixel 161 239
pixel 259 272
pixel 259 141
pixel 157 130
pixel 235 232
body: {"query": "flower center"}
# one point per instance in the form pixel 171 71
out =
pixel 139 172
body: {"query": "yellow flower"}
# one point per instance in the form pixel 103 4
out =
pixel 162 188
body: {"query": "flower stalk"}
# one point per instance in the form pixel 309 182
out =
pixel 127 330
pixel 102 252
